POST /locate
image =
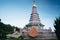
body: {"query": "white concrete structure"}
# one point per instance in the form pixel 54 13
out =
pixel 16 34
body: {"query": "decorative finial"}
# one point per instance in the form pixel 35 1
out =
pixel 34 4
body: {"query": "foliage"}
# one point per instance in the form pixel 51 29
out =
pixel 57 27
pixel 17 29
pixel 21 37
pixel 6 29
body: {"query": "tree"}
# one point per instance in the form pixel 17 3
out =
pixel 57 27
pixel 21 37
pixel 2 32
pixel 6 29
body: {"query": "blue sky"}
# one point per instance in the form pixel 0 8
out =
pixel 17 12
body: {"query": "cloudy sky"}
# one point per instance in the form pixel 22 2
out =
pixel 17 12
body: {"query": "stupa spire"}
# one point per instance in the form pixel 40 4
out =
pixel 34 19
pixel 34 4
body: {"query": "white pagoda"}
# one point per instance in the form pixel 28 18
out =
pixel 34 29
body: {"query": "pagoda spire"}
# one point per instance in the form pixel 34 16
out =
pixel 34 4
pixel 34 19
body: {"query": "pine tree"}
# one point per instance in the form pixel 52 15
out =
pixel 57 27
